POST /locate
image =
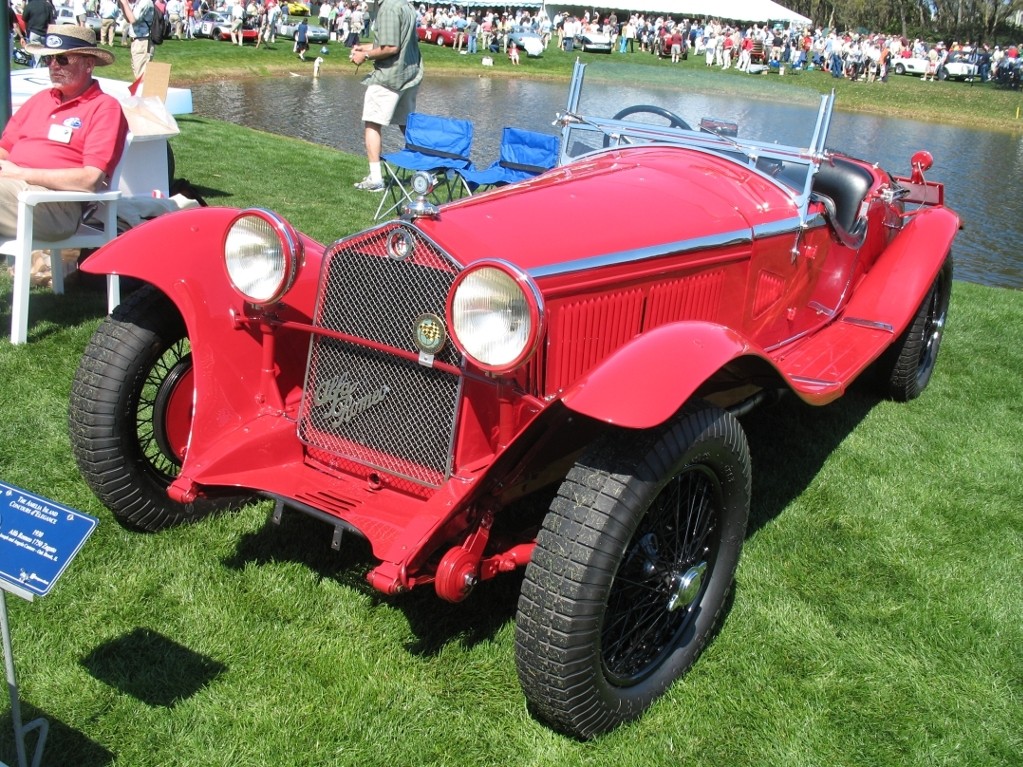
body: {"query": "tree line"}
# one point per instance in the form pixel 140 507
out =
pixel 976 21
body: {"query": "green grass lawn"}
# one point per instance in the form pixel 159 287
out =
pixel 876 618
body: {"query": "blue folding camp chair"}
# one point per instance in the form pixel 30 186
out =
pixel 523 154
pixel 439 145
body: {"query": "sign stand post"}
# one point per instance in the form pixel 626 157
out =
pixel 12 687
pixel 38 540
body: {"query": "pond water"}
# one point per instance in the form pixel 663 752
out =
pixel 979 168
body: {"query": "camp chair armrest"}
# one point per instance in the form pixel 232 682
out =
pixel 33 198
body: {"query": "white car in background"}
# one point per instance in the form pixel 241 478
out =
pixel 958 67
pixel 593 41
pixel 65 15
pixel 911 66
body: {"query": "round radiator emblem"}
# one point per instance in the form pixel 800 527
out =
pixel 399 244
pixel 430 333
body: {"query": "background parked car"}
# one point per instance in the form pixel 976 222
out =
pixel 594 42
pixel 911 66
pixel 436 35
pixel 957 67
pixel 65 15
pixel 216 25
pixel 289 29
pixel 526 39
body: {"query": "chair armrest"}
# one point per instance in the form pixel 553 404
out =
pixel 35 198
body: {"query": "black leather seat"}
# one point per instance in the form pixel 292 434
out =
pixel 847 184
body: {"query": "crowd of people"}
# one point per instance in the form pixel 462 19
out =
pixel 714 42
pixel 719 43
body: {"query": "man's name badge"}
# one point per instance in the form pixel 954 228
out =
pixel 61 133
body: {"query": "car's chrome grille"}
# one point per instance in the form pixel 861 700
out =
pixel 366 404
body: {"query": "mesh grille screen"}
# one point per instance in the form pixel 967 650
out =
pixel 371 406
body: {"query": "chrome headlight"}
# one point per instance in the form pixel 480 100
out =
pixel 495 315
pixel 261 253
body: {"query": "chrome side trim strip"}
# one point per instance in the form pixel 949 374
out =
pixel 775 228
pixel 725 239
pixel 873 324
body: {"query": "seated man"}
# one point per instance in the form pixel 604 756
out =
pixel 68 138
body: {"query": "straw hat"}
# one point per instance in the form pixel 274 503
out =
pixel 69 38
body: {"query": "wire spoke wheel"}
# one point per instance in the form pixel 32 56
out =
pixel 632 569
pixel 655 594
pixel 909 363
pixel 130 414
pixel 158 402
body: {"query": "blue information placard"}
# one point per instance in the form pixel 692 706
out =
pixel 38 539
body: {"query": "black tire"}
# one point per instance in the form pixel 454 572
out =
pixel 900 69
pixel 619 597
pixel 908 365
pixel 119 398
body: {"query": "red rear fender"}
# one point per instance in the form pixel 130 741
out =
pixel 646 381
pixel 892 290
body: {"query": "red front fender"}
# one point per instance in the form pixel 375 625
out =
pixel 242 373
pixel 645 382
pixel 182 254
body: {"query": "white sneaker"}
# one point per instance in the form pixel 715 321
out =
pixel 369 185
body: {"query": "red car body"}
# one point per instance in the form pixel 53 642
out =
pixel 442 36
pixel 353 396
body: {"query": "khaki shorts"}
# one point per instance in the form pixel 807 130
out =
pixel 386 107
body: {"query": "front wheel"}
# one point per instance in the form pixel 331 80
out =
pixel 632 569
pixel 130 413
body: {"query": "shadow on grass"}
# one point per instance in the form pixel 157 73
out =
pixel 64 745
pixel 82 301
pixel 152 668
pixel 789 443
pixel 306 541
pixel 435 623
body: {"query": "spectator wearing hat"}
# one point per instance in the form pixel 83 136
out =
pixel 69 137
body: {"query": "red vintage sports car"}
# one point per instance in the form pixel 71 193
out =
pixel 594 333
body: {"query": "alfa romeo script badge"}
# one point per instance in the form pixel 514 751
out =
pixel 430 333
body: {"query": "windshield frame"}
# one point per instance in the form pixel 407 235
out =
pixel 792 168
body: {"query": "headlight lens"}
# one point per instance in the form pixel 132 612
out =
pixel 495 316
pixel 261 253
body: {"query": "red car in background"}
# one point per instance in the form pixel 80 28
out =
pixel 591 337
pixel 441 36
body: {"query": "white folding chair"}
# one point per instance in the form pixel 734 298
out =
pixel 88 235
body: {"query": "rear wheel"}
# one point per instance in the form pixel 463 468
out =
pixel 130 414
pixel 910 362
pixel 632 569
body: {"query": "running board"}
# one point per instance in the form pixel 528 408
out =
pixel 820 368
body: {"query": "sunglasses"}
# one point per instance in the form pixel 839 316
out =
pixel 61 60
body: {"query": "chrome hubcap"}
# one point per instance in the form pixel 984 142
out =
pixel 685 587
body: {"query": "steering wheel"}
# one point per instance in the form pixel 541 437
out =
pixel 674 121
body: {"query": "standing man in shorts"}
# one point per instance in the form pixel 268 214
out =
pixel 139 16
pixel 392 86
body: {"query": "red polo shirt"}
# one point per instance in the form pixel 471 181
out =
pixel 88 130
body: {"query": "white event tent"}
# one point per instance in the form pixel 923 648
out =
pixel 739 10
